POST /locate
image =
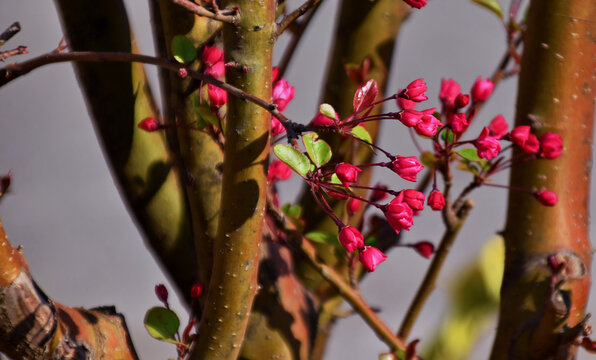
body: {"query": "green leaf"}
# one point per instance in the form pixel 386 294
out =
pixel 492 5
pixel 328 111
pixel 318 150
pixel 428 159
pixel 322 237
pixel 162 323
pixel 361 133
pixel 293 158
pixel 292 210
pixel 371 241
pixel 183 50
pixel 335 179
pixel 469 154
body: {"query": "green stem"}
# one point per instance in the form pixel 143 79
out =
pixel 237 246
pixel 430 279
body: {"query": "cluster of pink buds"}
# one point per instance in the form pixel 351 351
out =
pixel 352 240
pixel 213 59
pixel 282 94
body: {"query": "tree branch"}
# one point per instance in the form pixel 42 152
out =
pixel 11 31
pixel 226 16
pixel 291 17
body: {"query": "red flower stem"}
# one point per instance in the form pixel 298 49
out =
pixel 325 207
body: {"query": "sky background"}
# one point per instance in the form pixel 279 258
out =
pixel 79 240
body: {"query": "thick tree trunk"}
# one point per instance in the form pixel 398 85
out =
pixel 556 93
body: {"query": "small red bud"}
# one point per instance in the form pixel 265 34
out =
pixel 546 198
pixel 162 293
pixel 150 124
pixel 182 72
pixel 462 100
pixel 424 248
pixel 196 291
pixel 353 205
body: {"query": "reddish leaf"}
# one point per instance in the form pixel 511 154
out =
pixel 365 95
pixel 411 350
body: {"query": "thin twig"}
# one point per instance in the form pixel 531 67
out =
pixel 430 279
pixel 11 31
pixel 291 17
pixel 227 16
pixel 17 51
pixel 15 70
pixel 297 36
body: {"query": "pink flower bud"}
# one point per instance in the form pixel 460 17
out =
pixel 370 257
pixel 498 126
pixel 449 91
pixel 407 167
pixel 458 123
pixel 283 93
pixel 347 173
pixel 216 70
pixel 546 198
pixel 414 198
pixel 378 194
pixel 462 100
pixel 276 127
pixel 278 171
pixel 519 135
pixel 418 4
pixel 415 91
pixel 481 89
pixel 217 97
pixel 150 124
pixel 211 55
pixel 436 200
pixel 424 248
pixel 322 120
pixel 551 145
pixel 410 117
pixel 405 104
pixel 399 214
pixel 196 291
pixel 428 125
pixel 353 205
pixel 488 146
pixel 182 72
pixel 162 293
pixel 350 238
pixel 532 145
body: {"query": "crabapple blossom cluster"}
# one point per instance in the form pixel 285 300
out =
pixel 482 156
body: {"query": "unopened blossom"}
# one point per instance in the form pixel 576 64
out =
pixel 399 214
pixel 415 91
pixel 353 205
pixel 274 73
pixel 212 55
pixel 162 293
pixel 462 100
pixel 418 4
pixel 414 198
pixel 546 198
pixel 283 93
pixel 217 97
pixel 551 145
pixel 405 104
pixel 322 120
pixel 424 248
pixel 481 89
pixel 370 257
pixel 278 171
pixel 216 70
pixel 458 123
pixel 498 126
pixel 532 145
pixel 436 200
pixel 196 291
pixel 276 127
pixel 347 173
pixel 350 238
pixel 182 72
pixel 428 125
pixel 519 135
pixel 407 167
pixel 410 117
pixel 488 146
pixel 150 124
pixel 378 194
pixel 449 91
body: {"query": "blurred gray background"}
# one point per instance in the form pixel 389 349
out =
pixel 80 242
